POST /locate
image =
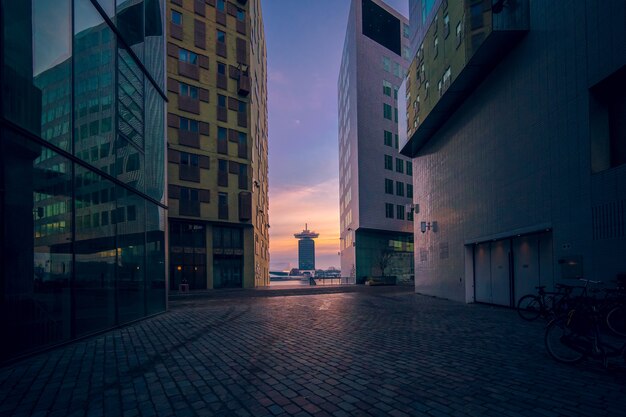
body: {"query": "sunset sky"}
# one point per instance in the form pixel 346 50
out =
pixel 304 44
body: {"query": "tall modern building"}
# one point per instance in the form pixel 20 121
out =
pixel 82 169
pixel 217 144
pixel 306 249
pixel 375 180
pixel 516 128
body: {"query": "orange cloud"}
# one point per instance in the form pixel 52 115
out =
pixel 291 208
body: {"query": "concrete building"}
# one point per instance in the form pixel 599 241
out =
pixel 516 129
pixel 82 169
pixel 375 180
pixel 217 144
pixel 306 249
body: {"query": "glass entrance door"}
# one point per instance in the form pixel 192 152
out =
pixel 227 272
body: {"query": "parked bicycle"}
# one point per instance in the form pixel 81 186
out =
pixel 579 334
pixel 614 310
pixel 545 304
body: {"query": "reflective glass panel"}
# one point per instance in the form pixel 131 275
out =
pixel 155 144
pixel 130 219
pixel 36 245
pixel 155 258
pixel 129 20
pixel 37 47
pixel 95 253
pixel 94 90
pixel 130 98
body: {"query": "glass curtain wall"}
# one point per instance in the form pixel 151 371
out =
pixel 82 171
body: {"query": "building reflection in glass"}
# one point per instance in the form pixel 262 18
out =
pixel 82 230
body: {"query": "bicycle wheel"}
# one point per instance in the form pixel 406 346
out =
pixel 529 307
pixel 562 343
pixel 616 320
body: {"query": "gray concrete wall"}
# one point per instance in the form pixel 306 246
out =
pixel 516 155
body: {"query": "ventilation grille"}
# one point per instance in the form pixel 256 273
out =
pixel 609 220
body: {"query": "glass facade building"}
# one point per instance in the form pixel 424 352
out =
pixel 82 172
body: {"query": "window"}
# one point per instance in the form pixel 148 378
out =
pixel 399 165
pixel 221 36
pixel 409 168
pixel 388 138
pixel 221 68
pixel 188 194
pixel 221 133
pixel 446 77
pixel 386 64
pixel 389 210
pixel 222 173
pixel 436 47
pixel 399 188
pixel 458 34
pixel 388 186
pixel 241 15
pixel 400 212
pixel 188 90
pixel 177 18
pixel 396 142
pixel 188 159
pixel 187 56
pixel 222 205
pixel 389 162
pixel 476 13
pixel 406 30
pixel 386 111
pixel 395 114
pixel 409 190
pixel 607 122
pixel 446 26
pixel 221 100
pixel 395 93
pixel 189 125
pixel 396 69
pixel 386 88
pixel 220 5
pixel 409 215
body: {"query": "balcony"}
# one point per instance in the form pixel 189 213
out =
pixel 245 206
pixel 189 173
pixel 222 114
pixel 188 70
pixel 243 85
pixel 187 138
pixel 452 67
pixel 242 149
pixel 242 119
pixel 241 27
pixel 222 81
pixel 176 31
pixel 188 104
pixel 189 208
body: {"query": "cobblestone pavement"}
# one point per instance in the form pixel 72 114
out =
pixel 370 352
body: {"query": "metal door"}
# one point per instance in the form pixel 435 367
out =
pixel 501 273
pixel 526 265
pixel 546 275
pixel 482 273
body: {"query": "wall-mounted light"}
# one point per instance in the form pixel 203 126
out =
pixel 427 226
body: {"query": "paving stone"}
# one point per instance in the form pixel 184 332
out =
pixel 380 351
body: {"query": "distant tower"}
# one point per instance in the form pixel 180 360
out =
pixel 306 248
